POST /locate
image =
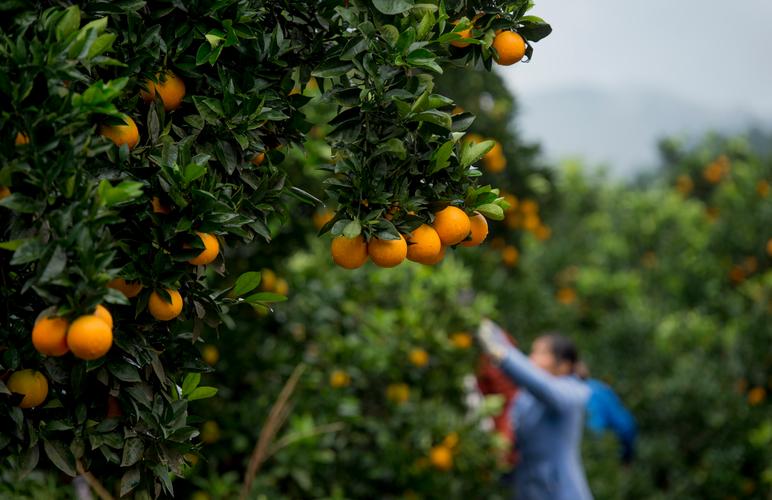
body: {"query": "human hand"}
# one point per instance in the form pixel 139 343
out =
pixel 493 339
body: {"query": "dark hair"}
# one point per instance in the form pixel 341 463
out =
pixel 563 348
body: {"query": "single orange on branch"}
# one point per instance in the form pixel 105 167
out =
pixel 164 309
pixel 30 383
pixel 170 88
pixel 90 337
pixel 128 288
pixel 387 253
pixel 49 336
pixel 510 48
pixel 479 230
pixel 210 251
pixel 423 245
pixel 128 133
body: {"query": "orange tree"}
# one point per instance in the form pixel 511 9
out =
pixel 380 409
pixel 140 137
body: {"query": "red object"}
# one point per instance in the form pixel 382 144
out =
pixel 491 380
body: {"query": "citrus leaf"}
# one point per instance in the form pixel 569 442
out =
pixel 246 283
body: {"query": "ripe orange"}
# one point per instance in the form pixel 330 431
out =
pixel 424 245
pixel 163 310
pixel 49 336
pixel 398 393
pixel 510 256
pixel 529 207
pixel 129 288
pixel 466 34
pixel 267 280
pixel 122 134
pixel 542 232
pixel 387 253
pixel 4 192
pixel 339 378
pixel 566 296
pixel 321 218
pixel 171 90
pixel 441 457
pixel 451 440
pixel 769 247
pixel 756 396
pixel 510 48
pixel 494 160
pixel 349 253
pixel 258 159
pixel 461 340
pixel 89 337
pixel 438 258
pixel 531 222
pixel 762 188
pixel 479 230
pixel 452 225
pixel 419 357
pixel 282 287
pixel 32 384
pixel 21 139
pixel 102 313
pixel 158 206
pixel 210 354
pixel 210 251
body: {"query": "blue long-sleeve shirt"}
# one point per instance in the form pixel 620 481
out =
pixel 548 417
pixel 605 411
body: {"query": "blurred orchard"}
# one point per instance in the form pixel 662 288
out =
pixel 244 250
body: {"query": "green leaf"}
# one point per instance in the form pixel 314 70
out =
pixel 55 265
pixel 12 244
pixel 394 146
pixel 68 23
pixel 422 58
pixel 436 117
pixel 132 452
pixel 392 7
pixel 190 382
pixel 60 456
pixel 491 211
pixel 192 172
pixel 352 229
pixel 202 393
pixel 471 152
pixel 265 297
pixel 332 69
pixel 124 371
pixel 129 481
pixel 124 192
pixel 246 283
pixel 102 44
pixel 441 157
pixel 30 250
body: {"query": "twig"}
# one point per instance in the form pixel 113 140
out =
pixel 276 417
pixel 93 482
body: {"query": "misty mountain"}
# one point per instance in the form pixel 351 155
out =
pixel 620 130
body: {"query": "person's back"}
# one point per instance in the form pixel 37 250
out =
pixel 548 416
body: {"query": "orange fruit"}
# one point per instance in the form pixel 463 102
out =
pixel 282 287
pixel 21 139
pixel 89 337
pixel 542 232
pixel 321 218
pixel 531 222
pixel 349 253
pixel 102 313
pixel 684 184
pixel 418 357
pixel 32 384
pixel 210 354
pixel 258 159
pixel 510 256
pixel 452 225
pixel 210 432
pixel 451 440
pixel 510 48
pixel 441 457
pixel 267 280
pixel 398 393
pixel 494 160
pixel 129 288
pixel 49 336
pixel 529 207
pixel 163 310
pixel 756 396
pixel 466 34
pixel 769 247
pixel 387 253
pixel 461 340
pixel 210 251
pixel 762 188
pixel 339 378
pixel 566 296
pixel 4 192
pixel 158 206
pixel 438 258
pixel 171 90
pixel 122 134
pixel 479 230
pixel 424 244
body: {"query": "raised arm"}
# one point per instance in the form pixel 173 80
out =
pixel 559 394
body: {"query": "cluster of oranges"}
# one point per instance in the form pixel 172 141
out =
pixel 427 244
pixel 717 170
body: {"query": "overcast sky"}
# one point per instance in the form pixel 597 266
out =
pixel 715 52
